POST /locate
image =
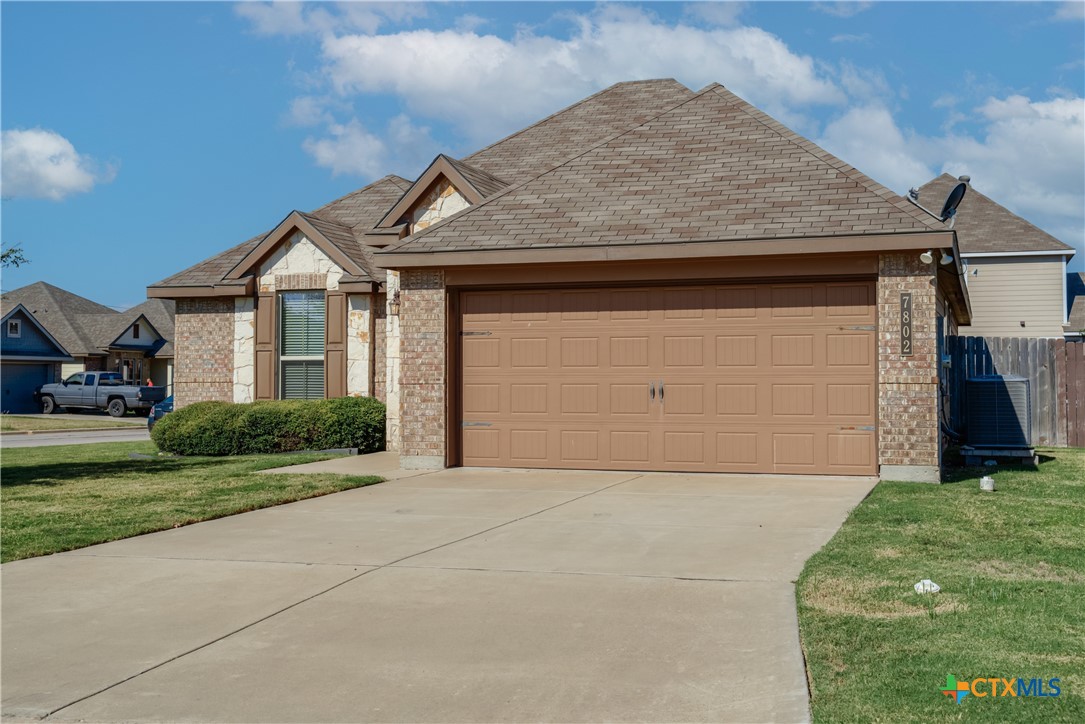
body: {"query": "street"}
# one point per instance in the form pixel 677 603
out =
pixel 75 437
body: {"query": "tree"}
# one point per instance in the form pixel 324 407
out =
pixel 13 256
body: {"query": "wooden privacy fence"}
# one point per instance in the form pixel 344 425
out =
pixel 1055 370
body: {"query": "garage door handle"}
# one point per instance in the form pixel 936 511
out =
pixel 652 390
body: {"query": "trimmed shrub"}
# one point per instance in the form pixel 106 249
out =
pixel 222 428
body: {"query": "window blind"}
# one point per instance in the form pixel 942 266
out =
pixel 302 324
pixel 303 380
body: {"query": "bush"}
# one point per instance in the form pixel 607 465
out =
pixel 222 428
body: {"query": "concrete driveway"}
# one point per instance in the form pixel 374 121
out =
pixel 459 595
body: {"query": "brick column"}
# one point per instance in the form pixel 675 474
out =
pixel 204 351
pixel 422 369
pixel 908 436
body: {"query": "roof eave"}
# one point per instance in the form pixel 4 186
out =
pixel 701 249
pixel 243 287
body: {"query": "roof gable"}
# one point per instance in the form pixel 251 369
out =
pixel 22 313
pixel 713 168
pixel 328 236
pixel 984 226
pixel 474 184
pixel 358 211
pixel 58 311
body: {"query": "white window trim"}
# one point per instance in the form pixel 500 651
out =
pixel 16 331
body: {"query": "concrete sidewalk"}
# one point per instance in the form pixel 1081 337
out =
pixel 457 595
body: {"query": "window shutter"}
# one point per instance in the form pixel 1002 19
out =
pixel 265 346
pixel 335 353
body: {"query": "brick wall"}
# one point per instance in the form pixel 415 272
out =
pixel 422 368
pixel 204 343
pixel 907 386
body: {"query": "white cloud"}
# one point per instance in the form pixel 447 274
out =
pixel 308 111
pixel 295 18
pixel 1071 10
pixel 349 148
pixel 868 138
pixel 850 38
pixel 486 85
pixel 842 9
pixel 39 163
pixel 1027 156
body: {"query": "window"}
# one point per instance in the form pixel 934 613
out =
pixel 15 328
pixel 135 331
pixel 88 380
pixel 301 345
pixel 76 379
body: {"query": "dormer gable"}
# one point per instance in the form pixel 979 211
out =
pixel 446 187
pixel 331 238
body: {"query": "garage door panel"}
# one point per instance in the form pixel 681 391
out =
pixel 744 378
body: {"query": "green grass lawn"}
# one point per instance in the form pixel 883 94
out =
pixel 1011 565
pixel 16 423
pixel 58 498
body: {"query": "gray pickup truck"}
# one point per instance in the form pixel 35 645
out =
pixel 99 390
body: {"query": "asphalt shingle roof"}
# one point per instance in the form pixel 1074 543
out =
pixel 85 327
pixel 357 212
pixel 984 226
pixel 587 123
pixel 485 183
pixel 58 310
pixel 712 168
pixel 513 159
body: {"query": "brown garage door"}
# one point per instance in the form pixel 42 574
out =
pixel 759 378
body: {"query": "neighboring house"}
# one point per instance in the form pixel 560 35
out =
pixel 137 342
pixel 1075 307
pixel 1016 272
pixel 651 279
pixel 29 358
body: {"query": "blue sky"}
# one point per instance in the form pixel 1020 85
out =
pixel 141 138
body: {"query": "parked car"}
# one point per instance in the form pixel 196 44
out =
pixel 98 390
pixel 159 411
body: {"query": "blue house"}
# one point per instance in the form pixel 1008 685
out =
pixel 29 357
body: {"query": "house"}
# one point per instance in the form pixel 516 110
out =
pixel 1075 307
pixel 1016 272
pixel 29 358
pixel 79 334
pixel 651 279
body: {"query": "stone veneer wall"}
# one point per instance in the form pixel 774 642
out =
pixel 392 372
pixel 244 349
pixel 908 435
pixel 358 345
pixel 422 373
pixel 203 340
pixel 442 201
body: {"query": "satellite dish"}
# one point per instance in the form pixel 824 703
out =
pixel 949 209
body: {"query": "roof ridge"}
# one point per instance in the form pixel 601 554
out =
pixel 513 187
pixel 806 145
pixel 387 177
pixel 566 109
